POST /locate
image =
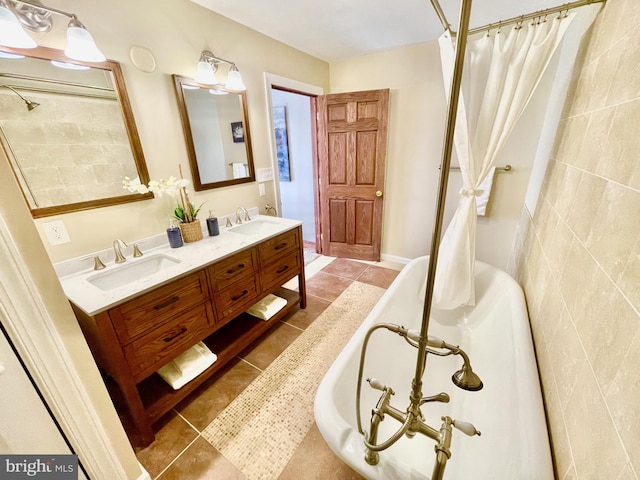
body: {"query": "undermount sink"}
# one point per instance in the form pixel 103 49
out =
pixel 131 272
pixel 256 227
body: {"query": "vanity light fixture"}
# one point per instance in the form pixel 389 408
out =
pixel 16 15
pixel 208 66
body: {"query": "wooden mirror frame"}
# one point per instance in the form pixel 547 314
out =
pixel 198 185
pixel 46 53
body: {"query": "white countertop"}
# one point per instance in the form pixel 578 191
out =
pixel 75 274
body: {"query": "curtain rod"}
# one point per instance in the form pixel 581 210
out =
pixel 539 13
pixel 547 11
pixel 436 6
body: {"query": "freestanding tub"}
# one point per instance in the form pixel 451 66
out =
pixel 509 412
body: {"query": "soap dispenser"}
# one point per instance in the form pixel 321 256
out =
pixel 212 225
pixel 174 234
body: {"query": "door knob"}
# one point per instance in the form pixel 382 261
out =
pixel 379 193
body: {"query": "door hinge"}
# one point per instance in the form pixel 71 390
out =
pixel 319 181
pixel 317 116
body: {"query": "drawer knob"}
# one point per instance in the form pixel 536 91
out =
pixel 175 335
pixel 173 299
pixel 237 297
pixel 283 269
pixel 281 246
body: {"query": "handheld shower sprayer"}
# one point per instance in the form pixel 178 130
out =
pixel 30 103
pixel 465 378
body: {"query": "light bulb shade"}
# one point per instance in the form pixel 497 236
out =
pixel 69 66
pixel 80 44
pixel 205 74
pixel 11 32
pixel 234 79
pixel 10 55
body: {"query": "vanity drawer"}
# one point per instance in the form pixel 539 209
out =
pixel 232 269
pixel 281 270
pixel 147 354
pixel 236 298
pixel 282 244
pixel 150 310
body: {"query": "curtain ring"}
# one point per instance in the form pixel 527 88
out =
pixel 545 19
pixel 499 29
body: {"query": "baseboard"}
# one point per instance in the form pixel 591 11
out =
pixel 394 258
pixel 144 475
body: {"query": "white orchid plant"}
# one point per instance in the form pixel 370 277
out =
pixel 185 211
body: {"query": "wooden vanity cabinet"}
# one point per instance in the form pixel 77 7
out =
pixel 131 341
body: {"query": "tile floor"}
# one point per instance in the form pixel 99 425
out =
pixel 179 452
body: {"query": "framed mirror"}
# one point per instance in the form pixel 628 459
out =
pixel 68 130
pixel 216 131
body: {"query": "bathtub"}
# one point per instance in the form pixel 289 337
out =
pixel 508 411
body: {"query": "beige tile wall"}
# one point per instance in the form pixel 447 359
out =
pixel 68 148
pixel 578 259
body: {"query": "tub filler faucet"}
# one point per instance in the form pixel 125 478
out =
pixel 412 419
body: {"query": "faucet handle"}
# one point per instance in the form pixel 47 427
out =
pixel 97 263
pixel 228 223
pixel 136 250
pixel 440 397
pixel 466 428
pixel 247 218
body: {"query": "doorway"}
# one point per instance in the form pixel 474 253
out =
pixel 293 123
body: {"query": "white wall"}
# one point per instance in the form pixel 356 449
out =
pixel 297 196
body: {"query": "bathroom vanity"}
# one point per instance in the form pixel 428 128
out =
pixel 200 293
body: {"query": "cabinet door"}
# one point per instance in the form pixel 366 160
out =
pixel 236 298
pixel 276 247
pixel 148 311
pixel 232 269
pixel 148 353
pixel 281 270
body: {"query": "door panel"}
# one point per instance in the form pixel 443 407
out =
pixel 352 145
pixel 338 212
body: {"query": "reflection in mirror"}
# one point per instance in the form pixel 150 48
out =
pixel 68 132
pixel 216 131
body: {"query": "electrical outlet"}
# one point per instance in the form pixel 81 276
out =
pixel 261 189
pixel 56 232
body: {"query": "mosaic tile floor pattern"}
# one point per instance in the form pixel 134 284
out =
pixel 281 398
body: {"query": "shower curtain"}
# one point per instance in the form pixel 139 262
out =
pixel 500 74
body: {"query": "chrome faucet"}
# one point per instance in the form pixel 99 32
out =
pixel 246 215
pixel 116 249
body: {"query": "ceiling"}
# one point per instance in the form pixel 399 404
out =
pixel 335 29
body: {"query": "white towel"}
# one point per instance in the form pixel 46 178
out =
pixel 267 307
pixel 187 366
pixel 485 186
pixel 239 170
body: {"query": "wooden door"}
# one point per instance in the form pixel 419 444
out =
pixel 352 148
